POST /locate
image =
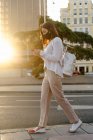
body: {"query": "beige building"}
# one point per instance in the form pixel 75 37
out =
pixel 21 15
pixel 78 16
pixel 16 16
pixel 84 66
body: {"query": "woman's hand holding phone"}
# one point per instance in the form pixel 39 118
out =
pixel 36 52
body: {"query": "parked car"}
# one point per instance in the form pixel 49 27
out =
pixel 76 73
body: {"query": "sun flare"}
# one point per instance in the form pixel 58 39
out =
pixel 6 50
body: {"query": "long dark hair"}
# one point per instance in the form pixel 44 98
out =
pixel 52 31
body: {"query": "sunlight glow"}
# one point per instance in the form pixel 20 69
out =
pixel 6 50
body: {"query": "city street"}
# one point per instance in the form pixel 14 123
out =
pixel 20 105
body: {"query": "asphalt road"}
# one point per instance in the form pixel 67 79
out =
pixel 21 109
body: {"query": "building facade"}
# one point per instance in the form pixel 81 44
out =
pixel 78 16
pixel 84 66
pixel 21 15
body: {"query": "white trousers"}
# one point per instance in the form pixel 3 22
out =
pixel 52 85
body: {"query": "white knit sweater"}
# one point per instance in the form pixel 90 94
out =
pixel 52 55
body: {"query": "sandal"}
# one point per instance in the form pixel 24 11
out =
pixel 37 130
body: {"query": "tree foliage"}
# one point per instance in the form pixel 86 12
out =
pixel 83 53
pixel 33 40
pixel 73 37
pixel 65 32
pixel 84 37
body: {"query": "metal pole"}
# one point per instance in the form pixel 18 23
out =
pixel 44 2
pixel 40 7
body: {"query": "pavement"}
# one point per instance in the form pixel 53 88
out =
pixel 55 132
pixel 81 83
pixel 79 79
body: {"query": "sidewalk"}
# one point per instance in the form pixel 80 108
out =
pixel 80 79
pixel 37 88
pixel 56 132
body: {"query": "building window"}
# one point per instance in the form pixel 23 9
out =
pixel 87 69
pixel 75 20
pixel 64 20
pixel 68 20
pixel 75 11
pixel 81 29
pixel 92 19
pixel 80 2
pixel 86 11
pixel 86 30
pixel 80 20
pixel 86 19
pixel 80 11
pixel 86 2
pixel 74 3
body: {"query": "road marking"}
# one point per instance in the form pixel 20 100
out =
pixel 35 100
pixel 78 96
pixel 39 96
pixel 25 107
pixel 18 96
pixel 80 107
pixel 85 107
pixel 37 88
pixel 31 100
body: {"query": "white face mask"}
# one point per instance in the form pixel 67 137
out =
pixel 44 31
pixel 46 34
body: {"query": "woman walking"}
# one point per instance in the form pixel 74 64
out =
pixel 52 82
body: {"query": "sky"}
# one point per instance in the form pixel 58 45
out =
pixel 54 8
